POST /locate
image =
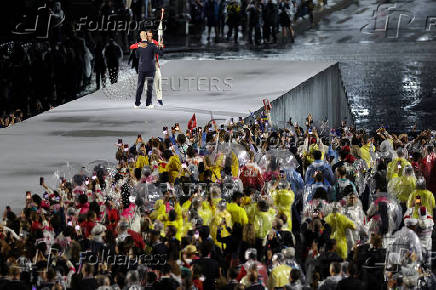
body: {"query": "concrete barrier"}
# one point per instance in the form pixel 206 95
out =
pixel 323 95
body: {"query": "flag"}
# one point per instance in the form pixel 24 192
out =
pixel 192 123
pixel 267 105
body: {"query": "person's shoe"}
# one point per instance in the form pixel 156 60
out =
pixel 136 106
pixel 150 106
pixel 160 102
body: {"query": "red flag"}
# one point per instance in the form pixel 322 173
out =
pixel 267 105
pixel 192 122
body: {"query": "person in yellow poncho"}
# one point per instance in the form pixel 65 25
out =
pixel 421 197
pixel 142 159
pixel 236 211
pixel 308 155
pixel 235 165
pixel 398 163
pixel 280 273
pixel 220 220
pixel 172 165
pixel 262 222
pixel 365 151
pixel 169 212
pixel 402 186
pixel 283 198
pixel 215 165
pixel 205 212
pixel 174 168
pixel 339 224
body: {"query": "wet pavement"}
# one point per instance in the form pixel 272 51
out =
pixel 387 54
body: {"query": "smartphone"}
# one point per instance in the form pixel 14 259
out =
pixel 41 180
pixel 126 147
pixel 28 195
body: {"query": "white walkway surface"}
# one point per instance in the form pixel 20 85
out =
pixel 87 129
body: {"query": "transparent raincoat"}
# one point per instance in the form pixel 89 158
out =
pixel 360 172
pixel 353 210
pixel 251 176
pixel 320 205
pixel 384 208
pixel 404 255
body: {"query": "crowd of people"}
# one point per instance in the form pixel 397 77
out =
pixel 242 205
pixel 258 20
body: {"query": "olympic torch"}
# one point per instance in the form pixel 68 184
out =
pixel 160 28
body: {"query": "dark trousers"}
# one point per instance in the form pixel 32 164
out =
pixel 256 29
pixel 113 74
pixel 233 29
pixel 269 30
pixel 142 76
pixel 100 74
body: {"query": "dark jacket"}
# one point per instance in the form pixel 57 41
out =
pixel 351 283
pixel 113 54
pixel 324 261
pixel 146 56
